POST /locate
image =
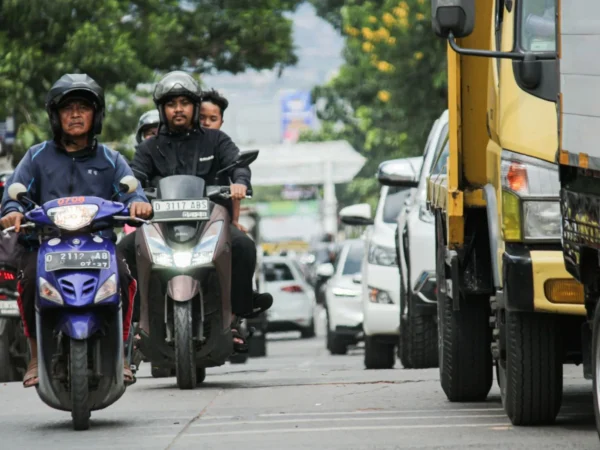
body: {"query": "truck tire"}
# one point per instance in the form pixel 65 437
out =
pixel 596 365
pixel 465 358
pixel 378 354
pixel 418 340
pixel 533 372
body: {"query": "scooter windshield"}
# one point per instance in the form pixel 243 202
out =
pixel 181 187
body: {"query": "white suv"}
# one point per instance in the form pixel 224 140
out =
pixel 415 247
pixel 380 277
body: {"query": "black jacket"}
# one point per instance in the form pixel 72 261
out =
pixel 201 152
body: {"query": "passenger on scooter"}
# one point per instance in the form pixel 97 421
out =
pixel 212 110
pixel 147 126
pixel 183 147
pixel 72 164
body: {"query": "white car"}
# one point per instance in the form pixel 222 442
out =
pixel 343 303
pixel 415 247
pixel 293 298
pixel 380 277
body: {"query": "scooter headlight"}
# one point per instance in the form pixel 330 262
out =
pixel 49 292
pixel 72 217
pixel 107 290
pixel 201 254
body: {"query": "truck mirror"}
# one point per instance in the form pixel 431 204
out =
pixel 453 16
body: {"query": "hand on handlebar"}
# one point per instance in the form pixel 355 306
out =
pixel 238 191
pixel 12 219
pixel 142 210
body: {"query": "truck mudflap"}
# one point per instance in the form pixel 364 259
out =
pixel 517 271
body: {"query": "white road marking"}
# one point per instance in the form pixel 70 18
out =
pixel 399 411
pixel 230 432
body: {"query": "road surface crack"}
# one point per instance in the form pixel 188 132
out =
pixel 194 419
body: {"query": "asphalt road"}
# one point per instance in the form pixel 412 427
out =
pixel 299 397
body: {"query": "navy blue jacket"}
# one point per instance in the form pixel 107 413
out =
pixel 50 172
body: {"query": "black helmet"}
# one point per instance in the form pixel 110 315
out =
pixel 175 84
pixel 148 119
pixel 75 84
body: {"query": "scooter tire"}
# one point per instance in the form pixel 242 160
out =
pixel 78 374
pixel 7 368
pixel 185 352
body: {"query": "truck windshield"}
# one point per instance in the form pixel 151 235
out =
pixel 538 25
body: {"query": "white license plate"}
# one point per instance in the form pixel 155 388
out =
pixel 9 308
pixel 179 205
pixel 180 210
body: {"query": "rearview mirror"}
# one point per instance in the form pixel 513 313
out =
pixel 325 270
pixel 400 172
pixel 128 184
pixel 16 191
pixel 246 158
pixel 453 16
pixel 359 214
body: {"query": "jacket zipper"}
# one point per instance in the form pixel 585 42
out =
pixel 71 181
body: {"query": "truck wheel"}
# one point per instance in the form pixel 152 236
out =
pixel 596 365
pixel 378 355
pixel 7 367
pixel 465 359
pixel 78 374
pixel 418 342
pixel 532 381
pixel 185 353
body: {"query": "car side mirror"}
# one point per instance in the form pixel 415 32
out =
pixel 357 278
pixel 359 214
pixel 453 16
pixel 325 270
pixel 400 172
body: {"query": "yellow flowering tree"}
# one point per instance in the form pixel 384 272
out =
pixel 391 87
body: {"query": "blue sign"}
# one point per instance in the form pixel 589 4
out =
pixel 297 114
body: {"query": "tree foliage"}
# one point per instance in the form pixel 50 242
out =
pixel 391 87
pixel 125 42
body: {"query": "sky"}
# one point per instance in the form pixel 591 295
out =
pixel 253 116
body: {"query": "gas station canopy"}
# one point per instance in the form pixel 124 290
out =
pixel 305 163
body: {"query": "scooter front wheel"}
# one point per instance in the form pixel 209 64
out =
pixel 185 352
pixel 78 374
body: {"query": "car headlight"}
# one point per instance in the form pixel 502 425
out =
pixel 382 256
pixel 108 289
pixel 49 292
pixel 530 203
pixel 72 217
pixel 202 253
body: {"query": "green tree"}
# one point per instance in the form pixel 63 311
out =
pixel 391 87
pixel 127 41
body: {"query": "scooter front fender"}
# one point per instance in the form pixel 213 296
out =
pixel 79 325
pixel 182 288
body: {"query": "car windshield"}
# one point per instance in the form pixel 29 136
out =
pixel 394 201
pixel 538 25
pixel 277 272
pixel 354 259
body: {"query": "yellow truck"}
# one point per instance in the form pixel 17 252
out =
pixel 505 298
pixel 578 37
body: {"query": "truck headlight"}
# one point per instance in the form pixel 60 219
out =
pixel 530 203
